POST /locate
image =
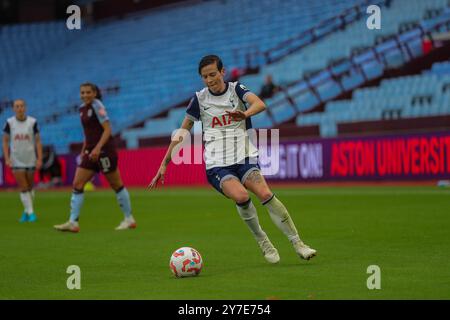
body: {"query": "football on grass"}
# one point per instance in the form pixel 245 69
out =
pixel 186 262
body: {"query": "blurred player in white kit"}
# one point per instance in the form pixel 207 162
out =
pixel 22 149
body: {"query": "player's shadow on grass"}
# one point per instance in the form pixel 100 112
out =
pixel 264 266
pixel 299 264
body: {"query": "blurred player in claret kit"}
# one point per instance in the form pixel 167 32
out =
pixel 98 154
pixel 222 109
pixel 22 149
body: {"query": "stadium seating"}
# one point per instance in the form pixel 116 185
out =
pixel 340 44
pixel 440 68
pixel 25 44
pixel 153 56
pixel 423 95
pixel 337 47
pixel 154 60
pixel 261 120
pixel 317 56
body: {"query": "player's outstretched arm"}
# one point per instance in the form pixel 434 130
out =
pixel 256 106
pixel 186 126
pixel 38 151
pixel 5 145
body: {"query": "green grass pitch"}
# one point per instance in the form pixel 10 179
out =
pixel 403 230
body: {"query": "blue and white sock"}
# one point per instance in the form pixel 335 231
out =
pixel 75 204
pixel 123 198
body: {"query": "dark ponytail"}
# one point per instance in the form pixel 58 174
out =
pixel 98 93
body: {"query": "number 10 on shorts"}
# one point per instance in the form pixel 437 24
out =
pixel 105 163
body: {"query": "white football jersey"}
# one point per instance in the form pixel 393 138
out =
pixel 226 141
pixel 22 141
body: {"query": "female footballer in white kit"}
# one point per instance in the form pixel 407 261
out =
pixel 231 161
pixel 22 150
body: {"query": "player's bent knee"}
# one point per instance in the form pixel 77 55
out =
pixel 262 193
pixel 241 197
pixel 265 195
pixel 78 186
pixel 30 185
pixel 24 186
pixel 117 188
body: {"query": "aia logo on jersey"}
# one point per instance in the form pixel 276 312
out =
pixel 22 137
pixel 224 120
